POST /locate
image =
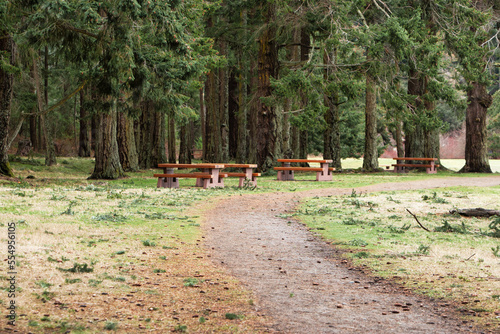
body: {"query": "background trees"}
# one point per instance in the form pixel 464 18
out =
pixel 138 83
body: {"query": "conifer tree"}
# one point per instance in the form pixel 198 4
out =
pixel 470 41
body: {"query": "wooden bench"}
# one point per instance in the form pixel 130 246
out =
pixel 403 167
pixel 246 174
pixel 286 171
pixel 210 176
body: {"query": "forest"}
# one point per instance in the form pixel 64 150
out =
pixel 134 83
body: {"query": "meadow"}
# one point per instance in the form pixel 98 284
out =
pixel 94 255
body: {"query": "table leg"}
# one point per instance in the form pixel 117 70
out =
pixel 168 182
pixel 215 181
pixel 432 169
pixel 287 175
pixel 324 175
pixel 248 176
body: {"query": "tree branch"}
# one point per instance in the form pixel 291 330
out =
pixel 58 104
pixel 80 31
pixel 422 226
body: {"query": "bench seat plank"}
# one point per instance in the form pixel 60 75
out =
pixel 306 160
pixel 240 174
pixel 414 165
pixel 202 165
pixel 416 159
pixel 240 165
pixel 188 175
pixel 305 169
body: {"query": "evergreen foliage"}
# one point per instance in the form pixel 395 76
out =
pixel 149 59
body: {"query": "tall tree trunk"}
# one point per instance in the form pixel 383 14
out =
pixel 213 141
pixel 253 112
pixel 127 150
pixel 33 132
pixel 421 138
pixel 331 134
pixel 476 154
pixel 151 136
pixel 84 142
pixel 243 74
pixel 6 83
pixel 223 106
pixel 203 122
pixel 242 137
pixel 303 146
pixel 305 47
pixel 107 158
pixel 399 138
pixel 370 158
pixel 414 132
pixel 50 152
pixel 186 143
pixel 266 115
pixel 295 142
pixel 172 154
pixel 286 149
pixel 233 111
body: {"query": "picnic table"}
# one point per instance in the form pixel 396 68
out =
pixel 247 174
pixel 209 177
pixel 401 167
pixel 286 171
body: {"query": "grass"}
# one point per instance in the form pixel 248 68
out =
pixel 85 245
pixel 455 260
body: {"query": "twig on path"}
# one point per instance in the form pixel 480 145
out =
pixel 422 226
pixel 470 257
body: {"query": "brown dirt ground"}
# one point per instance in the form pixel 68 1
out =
pixel 302 284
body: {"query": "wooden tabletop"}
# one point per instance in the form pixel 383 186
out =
pixel 240 165
pixel 306 160
pixel 202 165
pixel 416 159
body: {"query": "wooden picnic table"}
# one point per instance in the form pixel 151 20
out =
pixel 286 171
pixel 209 177
pixel 247 173
pixel 430 166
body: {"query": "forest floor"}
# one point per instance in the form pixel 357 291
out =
pixel 302 284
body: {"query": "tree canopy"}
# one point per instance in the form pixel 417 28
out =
pixel 245 80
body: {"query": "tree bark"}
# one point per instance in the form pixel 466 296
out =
pixel 33 132
pixel 233 112
pixel 266 114
pixel 203 122
pixel 370 158
pixel 172 154
pixel 50 151
pixel 151 136
pixel 476 154
pixel 126 143
pixel 414 133
pixel 107 157
pixel 305 46
pixel 331 134
pixel 84 140
pixel 399 138
pixel 213 142
pixel 186 143
pixel 476 212
pixel 242 113
pixel 6 83
pixel 242 135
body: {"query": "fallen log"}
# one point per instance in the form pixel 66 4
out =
pixel 477 212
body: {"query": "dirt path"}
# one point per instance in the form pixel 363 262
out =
pixel 299 282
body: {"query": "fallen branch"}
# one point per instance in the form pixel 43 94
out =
pixel 422 226
pixel 477 212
